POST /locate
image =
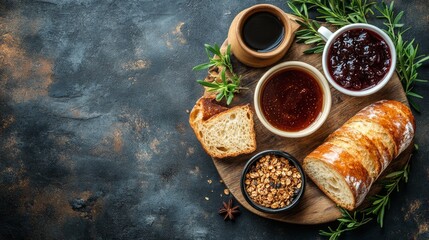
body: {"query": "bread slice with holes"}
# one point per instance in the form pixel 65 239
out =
pixel 339 174
pixel 223 132
pixel 345 166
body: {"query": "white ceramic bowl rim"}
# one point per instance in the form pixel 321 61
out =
pixel 386 78
pixel 327 101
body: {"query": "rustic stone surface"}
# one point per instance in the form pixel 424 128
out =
pixel 94 139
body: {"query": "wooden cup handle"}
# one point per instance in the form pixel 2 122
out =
pixel 294 25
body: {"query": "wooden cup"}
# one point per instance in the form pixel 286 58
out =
pixel 249 56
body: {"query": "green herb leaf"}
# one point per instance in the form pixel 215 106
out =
pixel 414 95
pixel 223 77
pixel 207 84
pixel 394 174
pixel 348 222
pixel 203 66
pixel 351 225
pixel 227 86
pixel 230 97
pixel 219 96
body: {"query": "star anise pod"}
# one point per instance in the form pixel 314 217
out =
pixel 229 210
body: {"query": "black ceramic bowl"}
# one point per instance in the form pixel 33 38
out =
pixel 292 161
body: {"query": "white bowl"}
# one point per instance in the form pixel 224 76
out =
pixel 330 37
pixel 326 95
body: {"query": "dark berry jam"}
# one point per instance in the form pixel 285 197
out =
pixel 291 100
pixel 358 59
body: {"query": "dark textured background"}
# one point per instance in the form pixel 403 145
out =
pixel 94 138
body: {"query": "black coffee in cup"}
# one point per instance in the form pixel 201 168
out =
pixel 263 31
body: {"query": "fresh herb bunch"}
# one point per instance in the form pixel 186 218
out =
pixel 378 206
pixel 228 85
pixel 348 222
pixel 308 33
pixel 336 12
pixel 408 59
pixel 219 59
pixel 390 183
pixel 341 13
pixel 225 88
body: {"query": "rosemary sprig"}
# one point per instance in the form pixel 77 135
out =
pixel 408 61
pixel 340 13
pixel 359 10
pixel 219 59
pixel 308 33
pixel 382 201
pixel 378 206
pixel 335 12
pixel 227 86
pixel 348 222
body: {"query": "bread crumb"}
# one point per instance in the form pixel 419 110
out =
pixel 209 181
pixel 187 110
pixel 206 198
pixel 226 191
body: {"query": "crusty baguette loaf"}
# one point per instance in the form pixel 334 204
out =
pixel 353 157
pixel 221 131
pixel 358 144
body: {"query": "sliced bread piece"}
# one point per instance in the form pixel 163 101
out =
pixel 378 135
pixel 221 131
pixel 329 166
pixel 404 121
pixel 360 146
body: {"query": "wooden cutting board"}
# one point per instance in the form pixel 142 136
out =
pixel 315 207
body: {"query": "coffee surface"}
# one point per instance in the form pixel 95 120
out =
pixel 263 31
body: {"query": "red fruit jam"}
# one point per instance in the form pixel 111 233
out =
pixel 291 100
pixel 359 59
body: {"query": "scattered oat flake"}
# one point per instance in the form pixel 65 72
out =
pixel 206 198
pixel 221 181
pixel 209 181
pixel 187 110
pixel 226 191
